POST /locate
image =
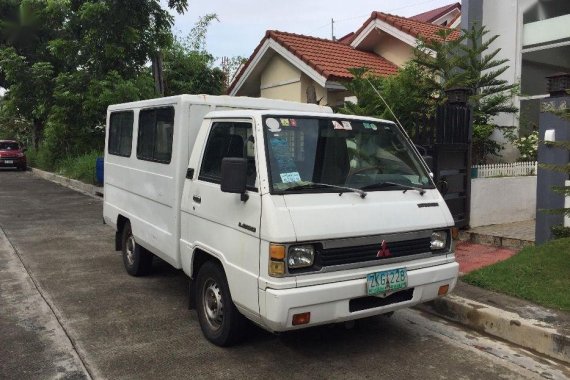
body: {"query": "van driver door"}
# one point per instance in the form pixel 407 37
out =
pixel 221 223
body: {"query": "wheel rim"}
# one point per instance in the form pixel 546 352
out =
pixel 130 250
pixel 212 304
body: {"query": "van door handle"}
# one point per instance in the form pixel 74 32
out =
pixel 197 198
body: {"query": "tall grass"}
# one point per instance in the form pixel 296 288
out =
pixel 80 167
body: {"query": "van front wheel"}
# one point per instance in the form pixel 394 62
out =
pixel 137 260
pixel 221 322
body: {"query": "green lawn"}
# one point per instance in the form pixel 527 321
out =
pixel 538 274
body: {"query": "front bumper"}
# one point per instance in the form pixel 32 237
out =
pixel 329 303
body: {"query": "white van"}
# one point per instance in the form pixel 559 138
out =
pixel 280 212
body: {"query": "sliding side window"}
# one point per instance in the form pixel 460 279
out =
pixel 156 128
pixel 120 133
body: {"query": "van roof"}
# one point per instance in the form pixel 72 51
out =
pixel 242 102
pixel 289 113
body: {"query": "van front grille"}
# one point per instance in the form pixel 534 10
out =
pixel 373 252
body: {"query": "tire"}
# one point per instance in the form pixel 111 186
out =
pixel 220 321
pixel 137 260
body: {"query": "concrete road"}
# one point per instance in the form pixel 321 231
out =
pixel 69 310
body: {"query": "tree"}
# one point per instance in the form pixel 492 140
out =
pixel 407 93
pixel 466 62
pixel 449 60
pixel 189 68
pixel 63 62
pixel 27 69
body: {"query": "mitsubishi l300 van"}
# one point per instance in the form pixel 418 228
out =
pixel 281 213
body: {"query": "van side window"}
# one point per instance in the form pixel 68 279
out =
pixel 229 139
pixel 156 127
pixel 120 133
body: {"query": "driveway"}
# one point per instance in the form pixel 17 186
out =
pixel 69 310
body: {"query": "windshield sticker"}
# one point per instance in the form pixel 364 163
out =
pixel 370 126
pixel 293 122
pixel 282 154
pixel 337 125
pixel 273 125
pixel 284 122
pixel 347 125
pixel 290 177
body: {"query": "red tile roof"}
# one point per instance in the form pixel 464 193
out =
pixel 331 59
pixel 414 28
pixel 434 14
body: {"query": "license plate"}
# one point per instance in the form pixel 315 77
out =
pixel 386 281
pixel 8 161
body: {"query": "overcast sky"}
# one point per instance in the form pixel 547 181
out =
pixel 243 23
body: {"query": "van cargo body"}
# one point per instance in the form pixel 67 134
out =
pixel 281 212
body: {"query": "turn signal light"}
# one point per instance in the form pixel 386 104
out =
pixel 277 252
pixel 455 233
pixel 443 290
pixel 301 319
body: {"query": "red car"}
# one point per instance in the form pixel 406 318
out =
pixel 12 155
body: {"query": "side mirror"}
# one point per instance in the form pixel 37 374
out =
pixel 234 176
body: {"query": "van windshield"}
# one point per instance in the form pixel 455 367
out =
pixel 308 154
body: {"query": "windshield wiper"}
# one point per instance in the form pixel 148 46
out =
pixel 316 185
pixel 393 184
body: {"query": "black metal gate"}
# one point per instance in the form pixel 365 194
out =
pixel 447 138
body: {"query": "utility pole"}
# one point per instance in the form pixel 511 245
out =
pixel 332 30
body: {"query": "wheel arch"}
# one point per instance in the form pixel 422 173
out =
pixel 121 222
pixel 199 257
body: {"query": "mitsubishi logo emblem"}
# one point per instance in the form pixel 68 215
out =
pixel 384 250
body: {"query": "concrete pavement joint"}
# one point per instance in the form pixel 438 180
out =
pixel 529 333
pixel 56 314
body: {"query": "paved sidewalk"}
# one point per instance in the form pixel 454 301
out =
pixel 510 235
pixel 472 256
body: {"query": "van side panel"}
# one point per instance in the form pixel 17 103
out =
pixel 145 193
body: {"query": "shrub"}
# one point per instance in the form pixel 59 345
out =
pixel 80 167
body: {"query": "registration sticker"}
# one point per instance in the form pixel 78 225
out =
pixel 273 125
pixel 290 177
pixel 293 122
pixel 386 281
pixel 347 126
pixel 370 126
pixel 285 122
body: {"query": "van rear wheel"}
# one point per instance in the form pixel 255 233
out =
pixel 137 260
pixel 220 321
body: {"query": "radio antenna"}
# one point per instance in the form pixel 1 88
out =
pixel 384 101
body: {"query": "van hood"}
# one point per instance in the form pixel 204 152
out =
pixel 321 216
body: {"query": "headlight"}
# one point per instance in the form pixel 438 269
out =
pixel 438 240
pixel 301 256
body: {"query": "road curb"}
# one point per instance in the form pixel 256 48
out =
pixel 528 333
pixel 73 184
pixel 496 241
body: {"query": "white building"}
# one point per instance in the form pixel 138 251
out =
pixel 535 36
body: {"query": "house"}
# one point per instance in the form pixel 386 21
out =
pixel 449 15
pixel 309 69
